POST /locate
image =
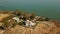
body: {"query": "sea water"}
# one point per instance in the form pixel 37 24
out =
pixel 43 8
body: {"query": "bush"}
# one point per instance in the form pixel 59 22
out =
pixel 47 19
pixel 6 24
pixel 22 23
pixel 32 16
pixel 18 13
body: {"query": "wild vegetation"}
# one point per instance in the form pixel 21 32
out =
pixel 22 16
pixel 25 21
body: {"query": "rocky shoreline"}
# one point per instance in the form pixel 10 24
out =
pixel 16 22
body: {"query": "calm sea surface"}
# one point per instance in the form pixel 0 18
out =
pixel 44 8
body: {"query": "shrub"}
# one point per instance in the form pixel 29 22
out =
pixel 32 16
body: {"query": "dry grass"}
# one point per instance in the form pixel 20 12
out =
pixel 57 23
pixel 41 28
pixel 3 16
